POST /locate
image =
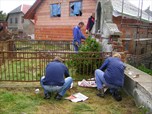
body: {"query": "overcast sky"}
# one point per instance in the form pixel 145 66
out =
pixel 8 5
pixel 146 3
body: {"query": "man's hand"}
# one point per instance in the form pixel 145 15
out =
pixel 76 43
pixel 86 31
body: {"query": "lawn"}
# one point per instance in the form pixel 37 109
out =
pixel 21 100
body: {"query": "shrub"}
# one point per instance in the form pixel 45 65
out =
pixel 88 58
pixel 90 45
pixel 144 69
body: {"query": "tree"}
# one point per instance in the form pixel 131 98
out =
pixel 2 16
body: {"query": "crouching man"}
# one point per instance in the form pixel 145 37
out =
pixel 111 74
pixel 56 79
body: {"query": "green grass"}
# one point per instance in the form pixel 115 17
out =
pixel 19 100
pixel 144 69
pixel 81 108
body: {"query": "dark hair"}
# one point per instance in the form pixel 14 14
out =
pixel 81 23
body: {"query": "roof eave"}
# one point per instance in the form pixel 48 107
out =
pixel 31 12
pixel 135 17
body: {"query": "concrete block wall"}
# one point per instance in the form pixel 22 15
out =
pixel 139 87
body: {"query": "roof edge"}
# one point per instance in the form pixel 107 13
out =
pixel 31 12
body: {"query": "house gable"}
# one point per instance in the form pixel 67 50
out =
pixel 31 12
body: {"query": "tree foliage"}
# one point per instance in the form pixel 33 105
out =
pixel 2 16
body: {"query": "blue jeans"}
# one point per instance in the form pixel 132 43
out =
pixel 100 80
pixel 76 48
pixel 61 90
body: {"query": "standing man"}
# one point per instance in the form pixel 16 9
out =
pixel 77 36
pixel 90 24
pixel 54 80
pixel 112 77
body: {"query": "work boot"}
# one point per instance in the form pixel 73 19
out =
pixel 47 96
pixel 101 93
pixel 58 97
pixel 107 91
pixel 116 95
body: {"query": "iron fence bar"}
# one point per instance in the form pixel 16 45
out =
pixel 25 64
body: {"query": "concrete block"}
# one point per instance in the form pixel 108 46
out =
pixel 139 87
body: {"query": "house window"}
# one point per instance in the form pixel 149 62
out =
pixel 22 20
pixel 11 20
pixel 76 8
pixel 16 20
pixel 142 50
pixel 55 10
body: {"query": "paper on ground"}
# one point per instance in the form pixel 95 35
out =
pixel 86 83
pixel 77 97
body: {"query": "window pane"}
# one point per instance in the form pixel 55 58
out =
pixel 22 20
pixel 76 8
pixel 11 20
pixel 55 10
pixel 16 21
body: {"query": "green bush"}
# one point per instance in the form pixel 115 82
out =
pixel 144 69
pixel 88 58
pixel 90 45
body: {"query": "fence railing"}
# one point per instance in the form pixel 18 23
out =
pixel 40 45
pixel 30 66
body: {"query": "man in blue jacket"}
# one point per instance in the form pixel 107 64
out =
pixel 54 80
pixel 111 73
pixel 77 36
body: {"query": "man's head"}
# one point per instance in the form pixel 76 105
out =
pixel 117 55
pixel 81 24
pixel 57 58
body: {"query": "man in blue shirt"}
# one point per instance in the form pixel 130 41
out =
pixel 54 80
pixel 112 77
pixel 77 36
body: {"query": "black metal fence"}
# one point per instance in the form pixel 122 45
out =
pixel 42 45
pixel 25 60
pixel 35 45
pixel 30 66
